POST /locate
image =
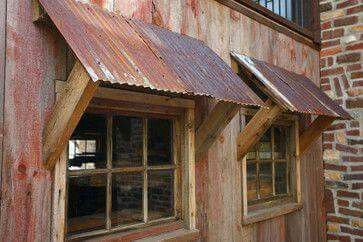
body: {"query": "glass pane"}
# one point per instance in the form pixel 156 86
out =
pixel 87 146
pixel 251 181
pixel 160 194
pixel 127 202
pixel 265 180
pixel 86 203
pixel 159 141
pixel 127 137
pixel 281 179
pixel 251 155
pixel 265 151
pixel 280 142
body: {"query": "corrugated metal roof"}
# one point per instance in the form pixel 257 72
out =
pixel 294 92
pixel 119 50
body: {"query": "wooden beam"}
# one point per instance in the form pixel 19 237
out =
pixel 135 97
pixel 254 130
pixel 66 114
pixel 212 126
pixel 314 131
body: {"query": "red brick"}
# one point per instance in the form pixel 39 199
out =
pixel 336 126
pixel 330 61
pixel 355 141
pixel 325 87
pixel 354 67
pixel 338 89
pixel 352 158
pixel 354 103
pixel 328 201
pixel 356 75
pixel 325 25
pixel 348 58
pixel 353 132
pixel 334 167
pixel 358 205
pixel 327 146
pixel 336 219
pixel 349 177
pixel 347 3
pixel 330 51
pixel 345 21
pixel 354 231
pixel 348 194
pixel 343 203
pixel 354 124
pixel 346 148
pixel 358 84
pixel 350 212
pixel 326 44
pixel 332 34
pixel 357 186
pixel 357 168
pixel 332 71
pixel 340 238
pixel 324 80
pixel 328 137
pixel 355 46
pixel 355 9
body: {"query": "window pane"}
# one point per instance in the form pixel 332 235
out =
pixel 265 151
pixel 86 203
pixel 87 146
pixel 127 202
pixel 251 181
pixel 160 194
pixel 280 142
pixel 159 142
pixel 127 137
pixel 265 180
pixel 280 180
pixel 251 155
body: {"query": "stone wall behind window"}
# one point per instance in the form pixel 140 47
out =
pixel 342 79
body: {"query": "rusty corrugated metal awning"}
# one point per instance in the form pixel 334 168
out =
pixel 294 92
pixel 119 50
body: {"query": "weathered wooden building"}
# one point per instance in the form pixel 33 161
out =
pixel 160 120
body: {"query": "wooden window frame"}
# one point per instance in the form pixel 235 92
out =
pixel 285 204
pixel 117 102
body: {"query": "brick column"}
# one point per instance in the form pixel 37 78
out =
pixel 342 79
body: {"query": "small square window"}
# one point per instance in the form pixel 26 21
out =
pixel 269 170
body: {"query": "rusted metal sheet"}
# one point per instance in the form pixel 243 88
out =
pixel 118 50
pixel 294 92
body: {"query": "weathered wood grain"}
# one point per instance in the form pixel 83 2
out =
pixel 2 73
pixel 68 109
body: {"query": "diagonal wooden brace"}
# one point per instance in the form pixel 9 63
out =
pixel 314 131
pixel 212 126
pixel 66 114
pixel 256 127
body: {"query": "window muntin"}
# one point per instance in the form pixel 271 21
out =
pixel 129 188
pixel 268 165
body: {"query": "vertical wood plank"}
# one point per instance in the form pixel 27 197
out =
pixel 189 171
pixel 59 199
pixel 2 73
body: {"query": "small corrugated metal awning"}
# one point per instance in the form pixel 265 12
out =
pixel 130 52
pixel 294 92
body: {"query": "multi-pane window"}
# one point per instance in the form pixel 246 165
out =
pixel 268 166
pixel 122 172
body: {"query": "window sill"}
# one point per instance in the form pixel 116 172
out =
pixel 163 232
pixel 269 213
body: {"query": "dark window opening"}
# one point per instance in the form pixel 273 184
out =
pixel 121 172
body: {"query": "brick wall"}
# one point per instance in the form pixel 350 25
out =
pixel 342 79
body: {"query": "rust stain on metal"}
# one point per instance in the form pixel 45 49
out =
pixel 294 92
pixel 119 50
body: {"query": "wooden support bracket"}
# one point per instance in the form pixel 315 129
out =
pixel 212 126
pixel 66 114
pixel 256 127
pixel 314 131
